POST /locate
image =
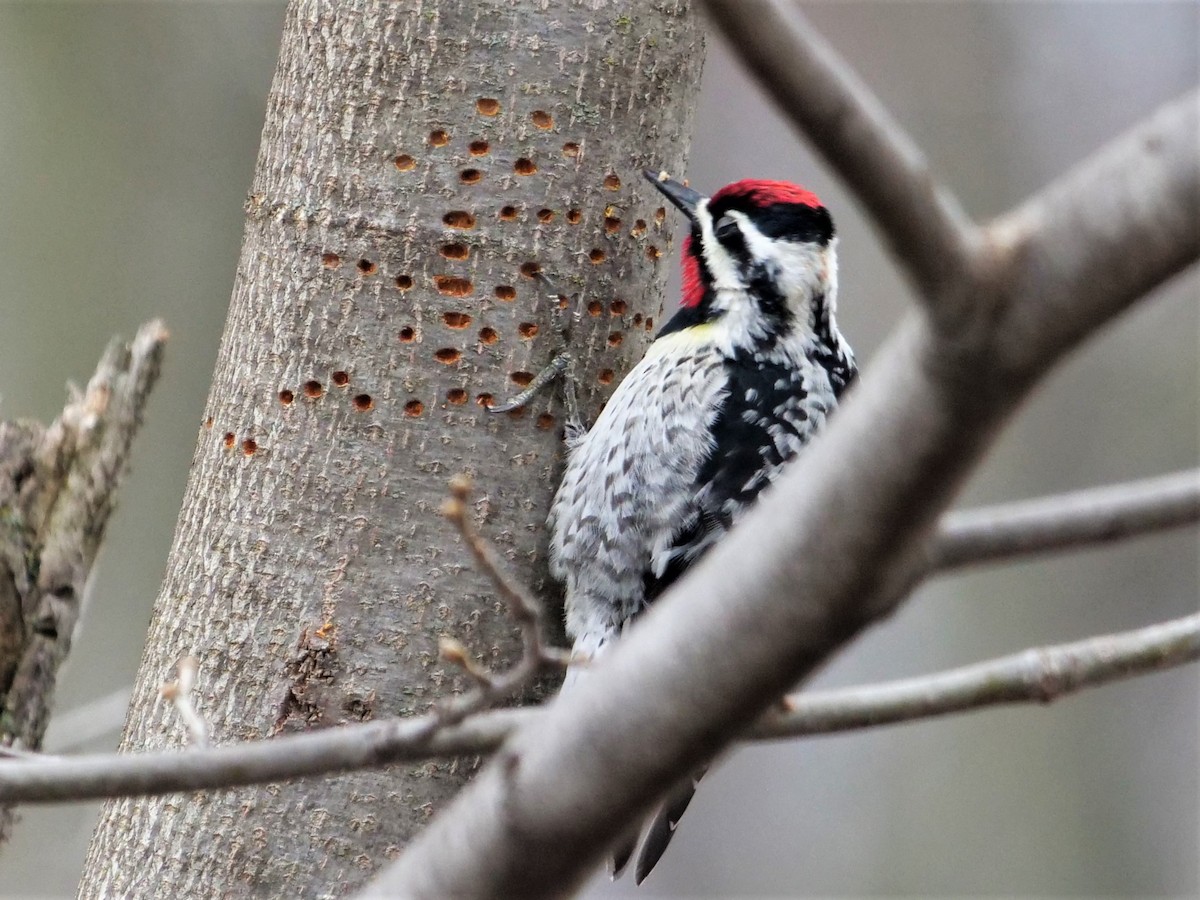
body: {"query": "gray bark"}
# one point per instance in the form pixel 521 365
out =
pixel 417 161
pixel 58 487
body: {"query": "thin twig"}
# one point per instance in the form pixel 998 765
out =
pixel 179 692
pixel 525 608
pixel 1080 519
pixel 922 223
pixel 1037 675
pixel 988 534
pixel 1033 676
pixel 323 752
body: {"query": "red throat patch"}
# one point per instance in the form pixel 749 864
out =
pixel 692 288
pixel 763 193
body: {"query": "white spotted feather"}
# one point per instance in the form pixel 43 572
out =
pixel 630 482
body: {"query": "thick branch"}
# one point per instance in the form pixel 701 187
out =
pixel 927 232
pixel 1038 675
pixel 1111 229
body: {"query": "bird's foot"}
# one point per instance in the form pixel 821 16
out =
pixel 562 366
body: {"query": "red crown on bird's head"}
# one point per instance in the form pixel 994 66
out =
pixel 763 193
pixel 757 192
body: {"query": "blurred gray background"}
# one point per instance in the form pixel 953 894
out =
pixel 128 134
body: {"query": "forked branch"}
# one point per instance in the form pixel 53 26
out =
pixel 525 608
pixel 730 636
pixel 926 230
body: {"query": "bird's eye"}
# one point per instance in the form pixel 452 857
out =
pixel 725 228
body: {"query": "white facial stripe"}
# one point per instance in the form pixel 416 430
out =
pixel 800 271
pixel 721 266
pixel 829 276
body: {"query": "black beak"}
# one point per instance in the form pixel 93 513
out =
pixel 680 195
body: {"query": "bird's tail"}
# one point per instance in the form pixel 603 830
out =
pixel 623 852
pixel 589 645
pixel 658 834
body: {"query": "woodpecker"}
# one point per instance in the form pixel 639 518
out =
pixel 735 384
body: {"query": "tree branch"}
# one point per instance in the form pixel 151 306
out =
pixel 57 489
pixel 1088 245
pixel 987 534
pixel 522 605
pixel 324 752
pixel 1064 521
pixel 923 225
pixel 1038 675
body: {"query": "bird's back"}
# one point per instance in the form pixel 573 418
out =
pixel 684 446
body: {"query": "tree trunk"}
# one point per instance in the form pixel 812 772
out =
pixel 418 161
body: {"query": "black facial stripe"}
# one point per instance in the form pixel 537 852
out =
pixel 734 243
pixel 795 222
pixel 789 221
pixel 764 287
pixel 687 316
pixel 761 279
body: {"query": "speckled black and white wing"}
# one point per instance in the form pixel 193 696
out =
pixel 630 483
pixel 773 403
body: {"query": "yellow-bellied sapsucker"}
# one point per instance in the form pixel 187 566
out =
pixel 733 386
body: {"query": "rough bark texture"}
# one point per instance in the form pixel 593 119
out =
pixel 58 487
pixel 417 161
